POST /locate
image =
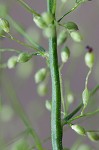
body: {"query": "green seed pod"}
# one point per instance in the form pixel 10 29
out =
pixel 47 17
pixel 76 36
pixel 49 31
pixel 39 22
pixel 71 26
pixel 12 61
pixel 80 130
pixel 48 105
pixel 4 24
pixel 42 89
pixel 85 97
pixel 65 54
pixel 70 98
pixel 93 136
pixel 40 75
pixel 24 57
pixel 89 59
pixel 62 37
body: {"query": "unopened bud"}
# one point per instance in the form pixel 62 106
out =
pixel 70 98
pixel 4 25
pixel 47 17
pixel 65 54
pixel 62 37
pixel 80 130
pixel 42 89
pixel 12 61
pixel 76 36
pixel 48 105
pixel 93 136
pixel 71 26
pixel 39 22
pixel 24 57
pixel 49 31
pixel 89 59
pixel 40 75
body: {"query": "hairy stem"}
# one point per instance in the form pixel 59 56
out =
pixel 56 128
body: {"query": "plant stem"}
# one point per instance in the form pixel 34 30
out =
pixel 56 128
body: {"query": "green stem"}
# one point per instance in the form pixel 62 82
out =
pixel 56 128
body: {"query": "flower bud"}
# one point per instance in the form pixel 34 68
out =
pixel 89 59
pixel 4 24
pixel 70 98
pixel 62 37
pixel 85 97
pixel 12 61
pixel 42 89
pixel 39 22
pixel 47 17
pixel 71 26
pixel 93 136
pixel 40 75
pixel 80 130
pixel 65 54
pixel 76 36
pixel 49 31
pixel 24 57
pixel 48 105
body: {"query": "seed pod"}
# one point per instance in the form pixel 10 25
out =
pixel 39 22
pixel 4 24
pixel 80 130
pixel 89 59
pixel 49 31
pixel 70 98
pixel 83 147
pixel 62 37
pixel 93 136
pixel 76 36
pixel 24 57
pixel 47 17
pixel 42 89
pixel 71 26
pixel 65 54
pixel 48 105
pixel 40 75
pixel 85 97
pixel 12 61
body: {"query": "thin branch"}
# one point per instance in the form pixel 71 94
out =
pixel 76 6
pixel 28 7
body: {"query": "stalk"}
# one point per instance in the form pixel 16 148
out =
pixel 56 128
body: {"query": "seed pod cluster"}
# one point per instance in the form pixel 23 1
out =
pixel 45 22
pixel 73 30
